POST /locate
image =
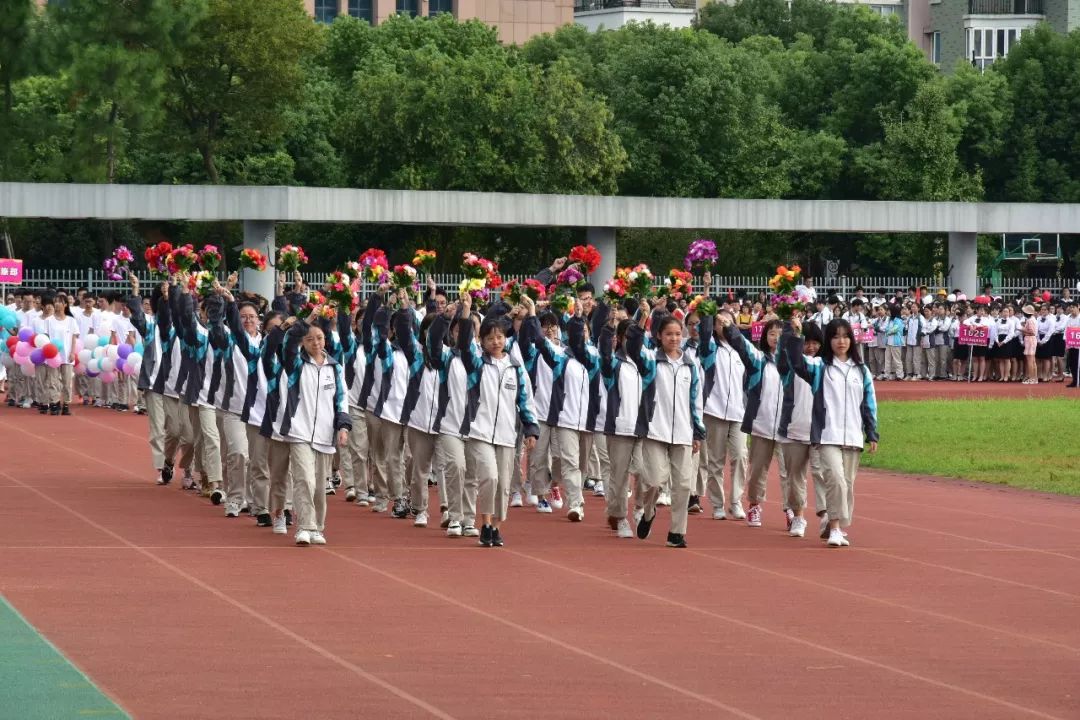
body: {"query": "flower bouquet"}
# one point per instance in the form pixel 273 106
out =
pixel 116 267
pixel 157 256
pixel 405 277
pixel 481 276
pixel 702 305
pixel 786 301
pixel 252 259
pixel 209 258
pixel 562 302
pixel 639 280
pixel 376 267
pixel 182 259
pixel 201 283
pixel 353 270
pixel 585 256
pixel 615 290
pixel 476 287
pixel 701 256
pixel 339 290
pixel 514 291
pixel 316 307
pixel 424 260
pixel 571 278
pixel 290 258
pixel 677 284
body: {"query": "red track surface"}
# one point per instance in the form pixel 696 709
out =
pixel 945 390
pixel 955 601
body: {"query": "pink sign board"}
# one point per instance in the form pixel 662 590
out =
pixel 11 271
pixel 1072 337
pixel 974 335
pixel 755 330
pixel 863 334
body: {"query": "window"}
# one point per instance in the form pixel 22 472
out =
pixel 984 45
pixel 408 7
pixel 886 10
pixel 935 47
pixel 362 9
pixel 440 6
pixel 326 10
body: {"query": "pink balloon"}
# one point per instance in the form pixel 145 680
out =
pixel 23 349
pixel 55 361
pixel 107 377
pixel 29 369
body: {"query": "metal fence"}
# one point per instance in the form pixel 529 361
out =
pixel 749 285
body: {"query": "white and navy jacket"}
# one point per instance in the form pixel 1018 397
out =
pixel 725 376
pixel 312 406
pixel 764 388
pixel 671 403
pixel 240 366
pixel 499 396
pixel 622 381
pixel 844 410
pixel 575 368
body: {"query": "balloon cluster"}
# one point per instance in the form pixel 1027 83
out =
pixel 95 357
pixel 29 350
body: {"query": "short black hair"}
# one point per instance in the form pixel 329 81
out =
pixel 586 287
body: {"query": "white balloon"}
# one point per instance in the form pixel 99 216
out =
pixel 99 352
pixel 90 341
pixel 112 351
pixel 41 340
pixel 85 356
pixel 108 364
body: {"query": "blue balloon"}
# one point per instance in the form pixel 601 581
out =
pixel 8 319
pixel 103 341
pixel 59 344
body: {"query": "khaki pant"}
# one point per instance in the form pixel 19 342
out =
pixel 204 427
pixel 385 440
pixel 839 465
pixel 281 479
pixel 667 465
pixel 894 366
pixel 20 386
pixel 927 362
pixel 492 466
pixel 461 487
pixel 354 458
pixel 725 440
pixel 258 470
pixel 599 459
pixel 517 479
pixel 542 462
pixel 909 354
pixel 761 455
pixel 51 384
pixel 944 355
pixel 797 457
pixel 155 414
pixel 310 468
pixel 620 451
pixel 234 448
pixel 570 446
pixel 422 446
pixel 179 437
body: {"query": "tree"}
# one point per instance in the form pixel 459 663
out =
pixel 15 19
pixel 233 81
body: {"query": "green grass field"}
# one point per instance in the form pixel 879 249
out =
pixel 1030 444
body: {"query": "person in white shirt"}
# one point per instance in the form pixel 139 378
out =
pixel 63 331
pixel 1072 355
pixel 806 288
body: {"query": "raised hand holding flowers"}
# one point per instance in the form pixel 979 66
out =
pixel 701 256
pixel 252 259
pixel 586 256
pixel 639 280
pixel 424 260
pixel 209 258
pixel 181 259
pixel 157 256
pixel 786 301
pixel 515 291
pixel 405 278
pixel 339 290
pixel 116 267
pixel 375 266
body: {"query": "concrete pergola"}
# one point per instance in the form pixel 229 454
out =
pixel 260 208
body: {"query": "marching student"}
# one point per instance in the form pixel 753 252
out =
pixel 61 326
pixel 843 415
pixel 499 396
pixel 313 420
pixel 85 317
pixel 354 459
pixel 724 408
pixel 419 412
pixel 669 418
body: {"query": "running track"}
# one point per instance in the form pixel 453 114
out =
pixel 955 601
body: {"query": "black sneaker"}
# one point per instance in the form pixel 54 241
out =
pixel 166 474
pixel 54 409
pixel 217 496
pixel 11 402
pixel 336 480
pixel 401 509
pixel 485 535
pixel 288 518
pixel 589 483
pixel 644 526
pixel 496 538
pixel 676 540
pixel 693 505
pixel 263 520
pixel 43 409
pixel 65 410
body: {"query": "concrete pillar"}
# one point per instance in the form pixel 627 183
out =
pixel 603 239
pixel 963 263
pixel 260 235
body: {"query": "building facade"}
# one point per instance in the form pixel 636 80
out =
pixel 515 20
pixel 595 15
pixel 981 31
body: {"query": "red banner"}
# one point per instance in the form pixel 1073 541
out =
pixel 974 335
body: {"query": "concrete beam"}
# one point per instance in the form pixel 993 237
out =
pixel 603 239
pixel 963 261
pixel 202 203
pixel 260 235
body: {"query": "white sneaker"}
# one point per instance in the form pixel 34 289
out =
pixel 317 538
pixel 279 527
pixel 350 495
pixel 576 514
pixel 624 530
pixel 532 499
pixel 515 500
pixel 470 531
pixel 798 527
pixel 638 514
pixel 362 499
pixel 421 520
pixel 543 506
pixel 370 499
pixel 719 514
pixel 330 489
pixel 556 500
pixel 753 518
pixel 232 509
pixel 598 489
pixel 380 505
pixel 736 512
pixel 453 529
pixel 664 500
pixel 444 521
pixel 303 537
pixel 837 539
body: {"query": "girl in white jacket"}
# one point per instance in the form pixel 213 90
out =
pixel 669 419
pixel 843 415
